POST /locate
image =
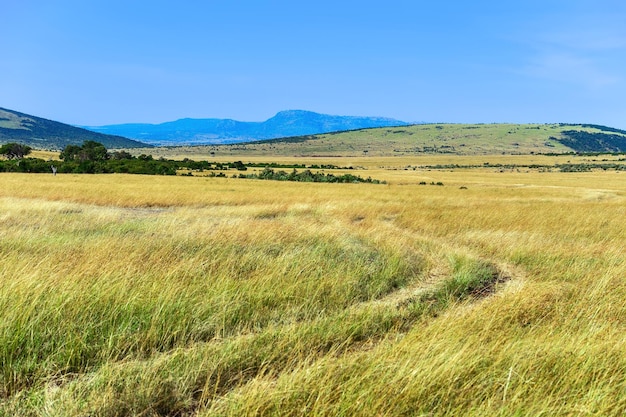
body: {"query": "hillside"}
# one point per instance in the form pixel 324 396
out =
pixel 223 131
pixel 433 139
pixel 47 134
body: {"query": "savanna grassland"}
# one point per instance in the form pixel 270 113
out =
pixel 500 292
pixel 424 139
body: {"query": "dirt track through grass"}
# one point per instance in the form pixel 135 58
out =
pixel 193 296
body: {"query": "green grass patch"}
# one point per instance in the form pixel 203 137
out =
pixel 470 278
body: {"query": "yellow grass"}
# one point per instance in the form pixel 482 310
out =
pixel 46 155
pixel 144 295
pixel 373 161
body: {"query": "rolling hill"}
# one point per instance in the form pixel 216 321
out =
pixel 343 136
pixel 225 131
pixel 453 139
pixel 41 133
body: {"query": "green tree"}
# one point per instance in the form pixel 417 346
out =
pixel 14 150
pixel 89 151
pixel 121 155
pixel 70 153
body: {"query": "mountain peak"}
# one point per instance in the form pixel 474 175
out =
pixel 215 131
pixel 295 113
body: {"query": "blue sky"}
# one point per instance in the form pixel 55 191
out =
pixel 104 62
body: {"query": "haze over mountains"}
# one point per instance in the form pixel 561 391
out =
pixel 223 131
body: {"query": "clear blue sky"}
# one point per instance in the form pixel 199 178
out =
pixel 95 62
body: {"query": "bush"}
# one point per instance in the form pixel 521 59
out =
pixel 14 150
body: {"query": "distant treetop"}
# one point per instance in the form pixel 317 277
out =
pixel 14 150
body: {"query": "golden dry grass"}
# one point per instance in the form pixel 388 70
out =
pixel 139 295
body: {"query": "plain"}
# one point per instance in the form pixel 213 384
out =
pixel 495 293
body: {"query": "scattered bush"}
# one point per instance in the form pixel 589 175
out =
pixel 309 176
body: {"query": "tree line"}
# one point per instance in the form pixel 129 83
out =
pixel 308 176
pixel 582 141
pixel 93 158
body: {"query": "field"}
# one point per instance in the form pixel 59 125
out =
pixel 499 292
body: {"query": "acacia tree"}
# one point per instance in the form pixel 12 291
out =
pixel 14 150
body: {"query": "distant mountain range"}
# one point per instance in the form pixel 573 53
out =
pixel 47 134
pixel 345 135
pixel 223 131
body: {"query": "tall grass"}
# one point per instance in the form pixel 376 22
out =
pixel 124 295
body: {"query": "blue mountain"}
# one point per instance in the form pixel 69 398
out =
pixel 218 131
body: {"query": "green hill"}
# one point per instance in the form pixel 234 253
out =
pixel 459 139
pixel 47 134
